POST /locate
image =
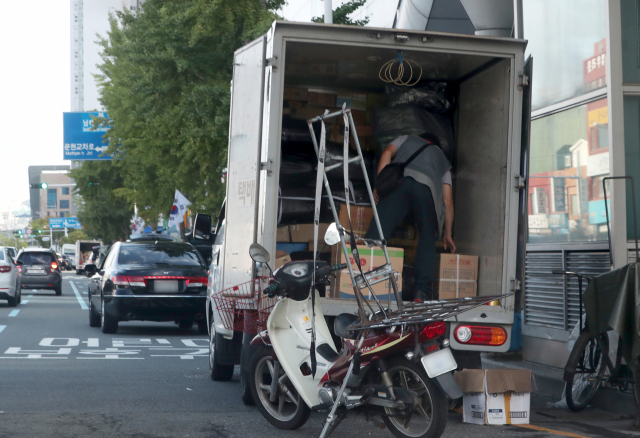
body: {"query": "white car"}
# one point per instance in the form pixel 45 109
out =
pixel 9 278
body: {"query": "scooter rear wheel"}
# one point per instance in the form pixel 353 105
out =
pixel 288 411
pixel 429 416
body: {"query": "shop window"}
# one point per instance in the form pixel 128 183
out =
pixel 567 41
pixel 565 184
pixel 52 198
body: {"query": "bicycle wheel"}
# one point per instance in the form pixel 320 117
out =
pixel 584 370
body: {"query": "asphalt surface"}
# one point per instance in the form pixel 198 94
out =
pixel 61 378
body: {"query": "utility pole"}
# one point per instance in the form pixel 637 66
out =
pixel 328 12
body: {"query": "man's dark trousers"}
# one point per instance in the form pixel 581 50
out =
pixel 416 198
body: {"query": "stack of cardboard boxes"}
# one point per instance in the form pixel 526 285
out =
pixel 304 104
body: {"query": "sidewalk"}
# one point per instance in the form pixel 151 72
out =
pixel 550 384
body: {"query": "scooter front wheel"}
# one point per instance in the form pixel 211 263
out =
pixel 285 409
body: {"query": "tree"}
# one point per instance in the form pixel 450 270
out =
pixel 74 236
pixel 342 12
pixel 165 83
pixel 102 213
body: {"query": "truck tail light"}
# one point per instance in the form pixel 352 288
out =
pixel 196 281
pixel 5 268
pixel 54 266
pixel 480 335
pixel 432 331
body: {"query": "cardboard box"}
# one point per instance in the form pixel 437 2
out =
pixel 361 217
pixel 300 233
pixel 296 94
pixel 321 98
pixel 496 396
pixel 458 276
pixel 281 261
pixel 303 111
pixel 370 258
pixel 337 133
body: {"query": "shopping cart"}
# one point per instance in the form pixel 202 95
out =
pixel 244 308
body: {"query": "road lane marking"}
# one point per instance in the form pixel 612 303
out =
pixel 14 312
pixel 163 341
pixel 2 327
pixel 83 305
pixel 29 296
pixel 24 302
pixel 552 431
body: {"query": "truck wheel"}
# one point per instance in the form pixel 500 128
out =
pixel 218 372
pixel 245 388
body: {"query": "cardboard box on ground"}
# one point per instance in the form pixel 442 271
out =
pixel 457 276
pixel 496 396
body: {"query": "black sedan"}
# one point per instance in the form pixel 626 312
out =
pixel 150 279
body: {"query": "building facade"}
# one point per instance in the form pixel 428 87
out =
pixel 56 200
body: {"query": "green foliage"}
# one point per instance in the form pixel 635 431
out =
pixel 341 14
pixel 41 225
pixel 102 213
pixel 165 82
pixel 74 236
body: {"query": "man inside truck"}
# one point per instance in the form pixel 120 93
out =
pixel 427 194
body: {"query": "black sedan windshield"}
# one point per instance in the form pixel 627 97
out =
pixel 159 254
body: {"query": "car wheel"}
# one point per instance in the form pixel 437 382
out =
pixel 12 301
pixel 94 318
pixel 108 323
pixel 218 372
pixel 19 293
pixel 185 324
pixel 59 290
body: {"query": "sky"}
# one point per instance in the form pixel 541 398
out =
pixel 34 91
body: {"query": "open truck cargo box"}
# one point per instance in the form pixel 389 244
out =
pixel 489 78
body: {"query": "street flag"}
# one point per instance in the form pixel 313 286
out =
pixel 178 210
pixel 137 225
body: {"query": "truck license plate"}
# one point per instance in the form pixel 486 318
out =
pixel 439 362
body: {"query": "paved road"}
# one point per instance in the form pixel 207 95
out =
pixel 61 378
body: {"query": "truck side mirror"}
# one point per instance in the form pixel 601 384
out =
pixel 202 228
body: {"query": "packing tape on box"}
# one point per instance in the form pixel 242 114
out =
pixel 457 279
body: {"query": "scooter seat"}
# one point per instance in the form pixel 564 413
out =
pixel 342 323
pixel 327 352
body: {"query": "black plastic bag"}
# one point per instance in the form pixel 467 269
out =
pixel 390 123
pixel 432 96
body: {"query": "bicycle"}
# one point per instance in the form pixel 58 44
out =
pixel 589 364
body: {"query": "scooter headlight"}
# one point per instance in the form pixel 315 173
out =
pixel 296 269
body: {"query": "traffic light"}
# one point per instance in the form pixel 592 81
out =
pixel 39 186
pixel 39 231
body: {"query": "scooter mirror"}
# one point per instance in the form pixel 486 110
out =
pixel 258 253
pixel 332 236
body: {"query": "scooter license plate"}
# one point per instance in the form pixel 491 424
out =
pixel 439 362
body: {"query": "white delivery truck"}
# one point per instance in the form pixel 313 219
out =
pixel 84 249
pixel 491 118
pixel 69 249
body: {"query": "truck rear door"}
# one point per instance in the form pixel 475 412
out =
pixel 245 130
